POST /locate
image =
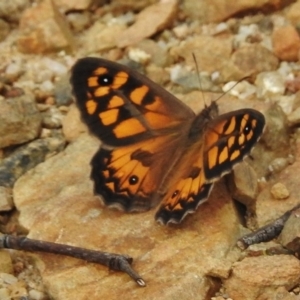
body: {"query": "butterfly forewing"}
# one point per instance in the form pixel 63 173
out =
pixel 121 106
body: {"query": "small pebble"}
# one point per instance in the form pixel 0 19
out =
pixel 14 70
pixel 278 164
pixel 269 84
pixel 79 21
pixel 47 86
pixel 279 191
pixel 45 133
pixel 181 31
pixel 50 100
pixel 36 295
pixel 8 278
pixel 139 55
pixel 241 90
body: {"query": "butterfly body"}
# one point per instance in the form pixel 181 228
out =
pixel 155 149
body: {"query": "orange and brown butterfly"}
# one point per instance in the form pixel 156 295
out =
pixel 155 149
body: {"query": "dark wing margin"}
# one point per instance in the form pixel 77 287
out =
pixel 176 212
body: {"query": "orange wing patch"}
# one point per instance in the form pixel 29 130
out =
pixel 128 127
pixel 115 101
pixel 109 117
pixel 102 91
pixel 138 94
pixel 91 106
pixel 119 80
pixel 100 71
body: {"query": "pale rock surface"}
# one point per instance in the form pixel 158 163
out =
pixel 275 142
pixel 5 262
pixel 43 29
pixel 149 21
pixel 267 208
pixel 12 10
pixel 100 37
pixel 79 20
pixel 66 5
pixel 71 125
pixel 158 55
pixel 63 210
pixel 292 13
pixel 6 201
pixel 132 4
pixel 212 53
pixel 290 234
pixel 52 118
pixel 249 61
pixel 218 10
pixel 4 29
pixel 294 117
pixel 282 294
pixel 260 277
pixel 243 185
pixel 20 120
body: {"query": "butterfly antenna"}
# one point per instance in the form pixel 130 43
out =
pixel 232 87
pixel 198 76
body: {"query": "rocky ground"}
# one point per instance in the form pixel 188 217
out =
pixel 45 150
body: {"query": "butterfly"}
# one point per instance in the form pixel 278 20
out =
pixel 155 149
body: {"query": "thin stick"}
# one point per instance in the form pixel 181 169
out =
pixel 265 233
pixel 116 262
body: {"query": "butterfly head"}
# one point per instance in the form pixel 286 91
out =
pixel 199 124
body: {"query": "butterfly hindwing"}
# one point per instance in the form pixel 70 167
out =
pixel 187 188
pixel 121 106
pixel 128 177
